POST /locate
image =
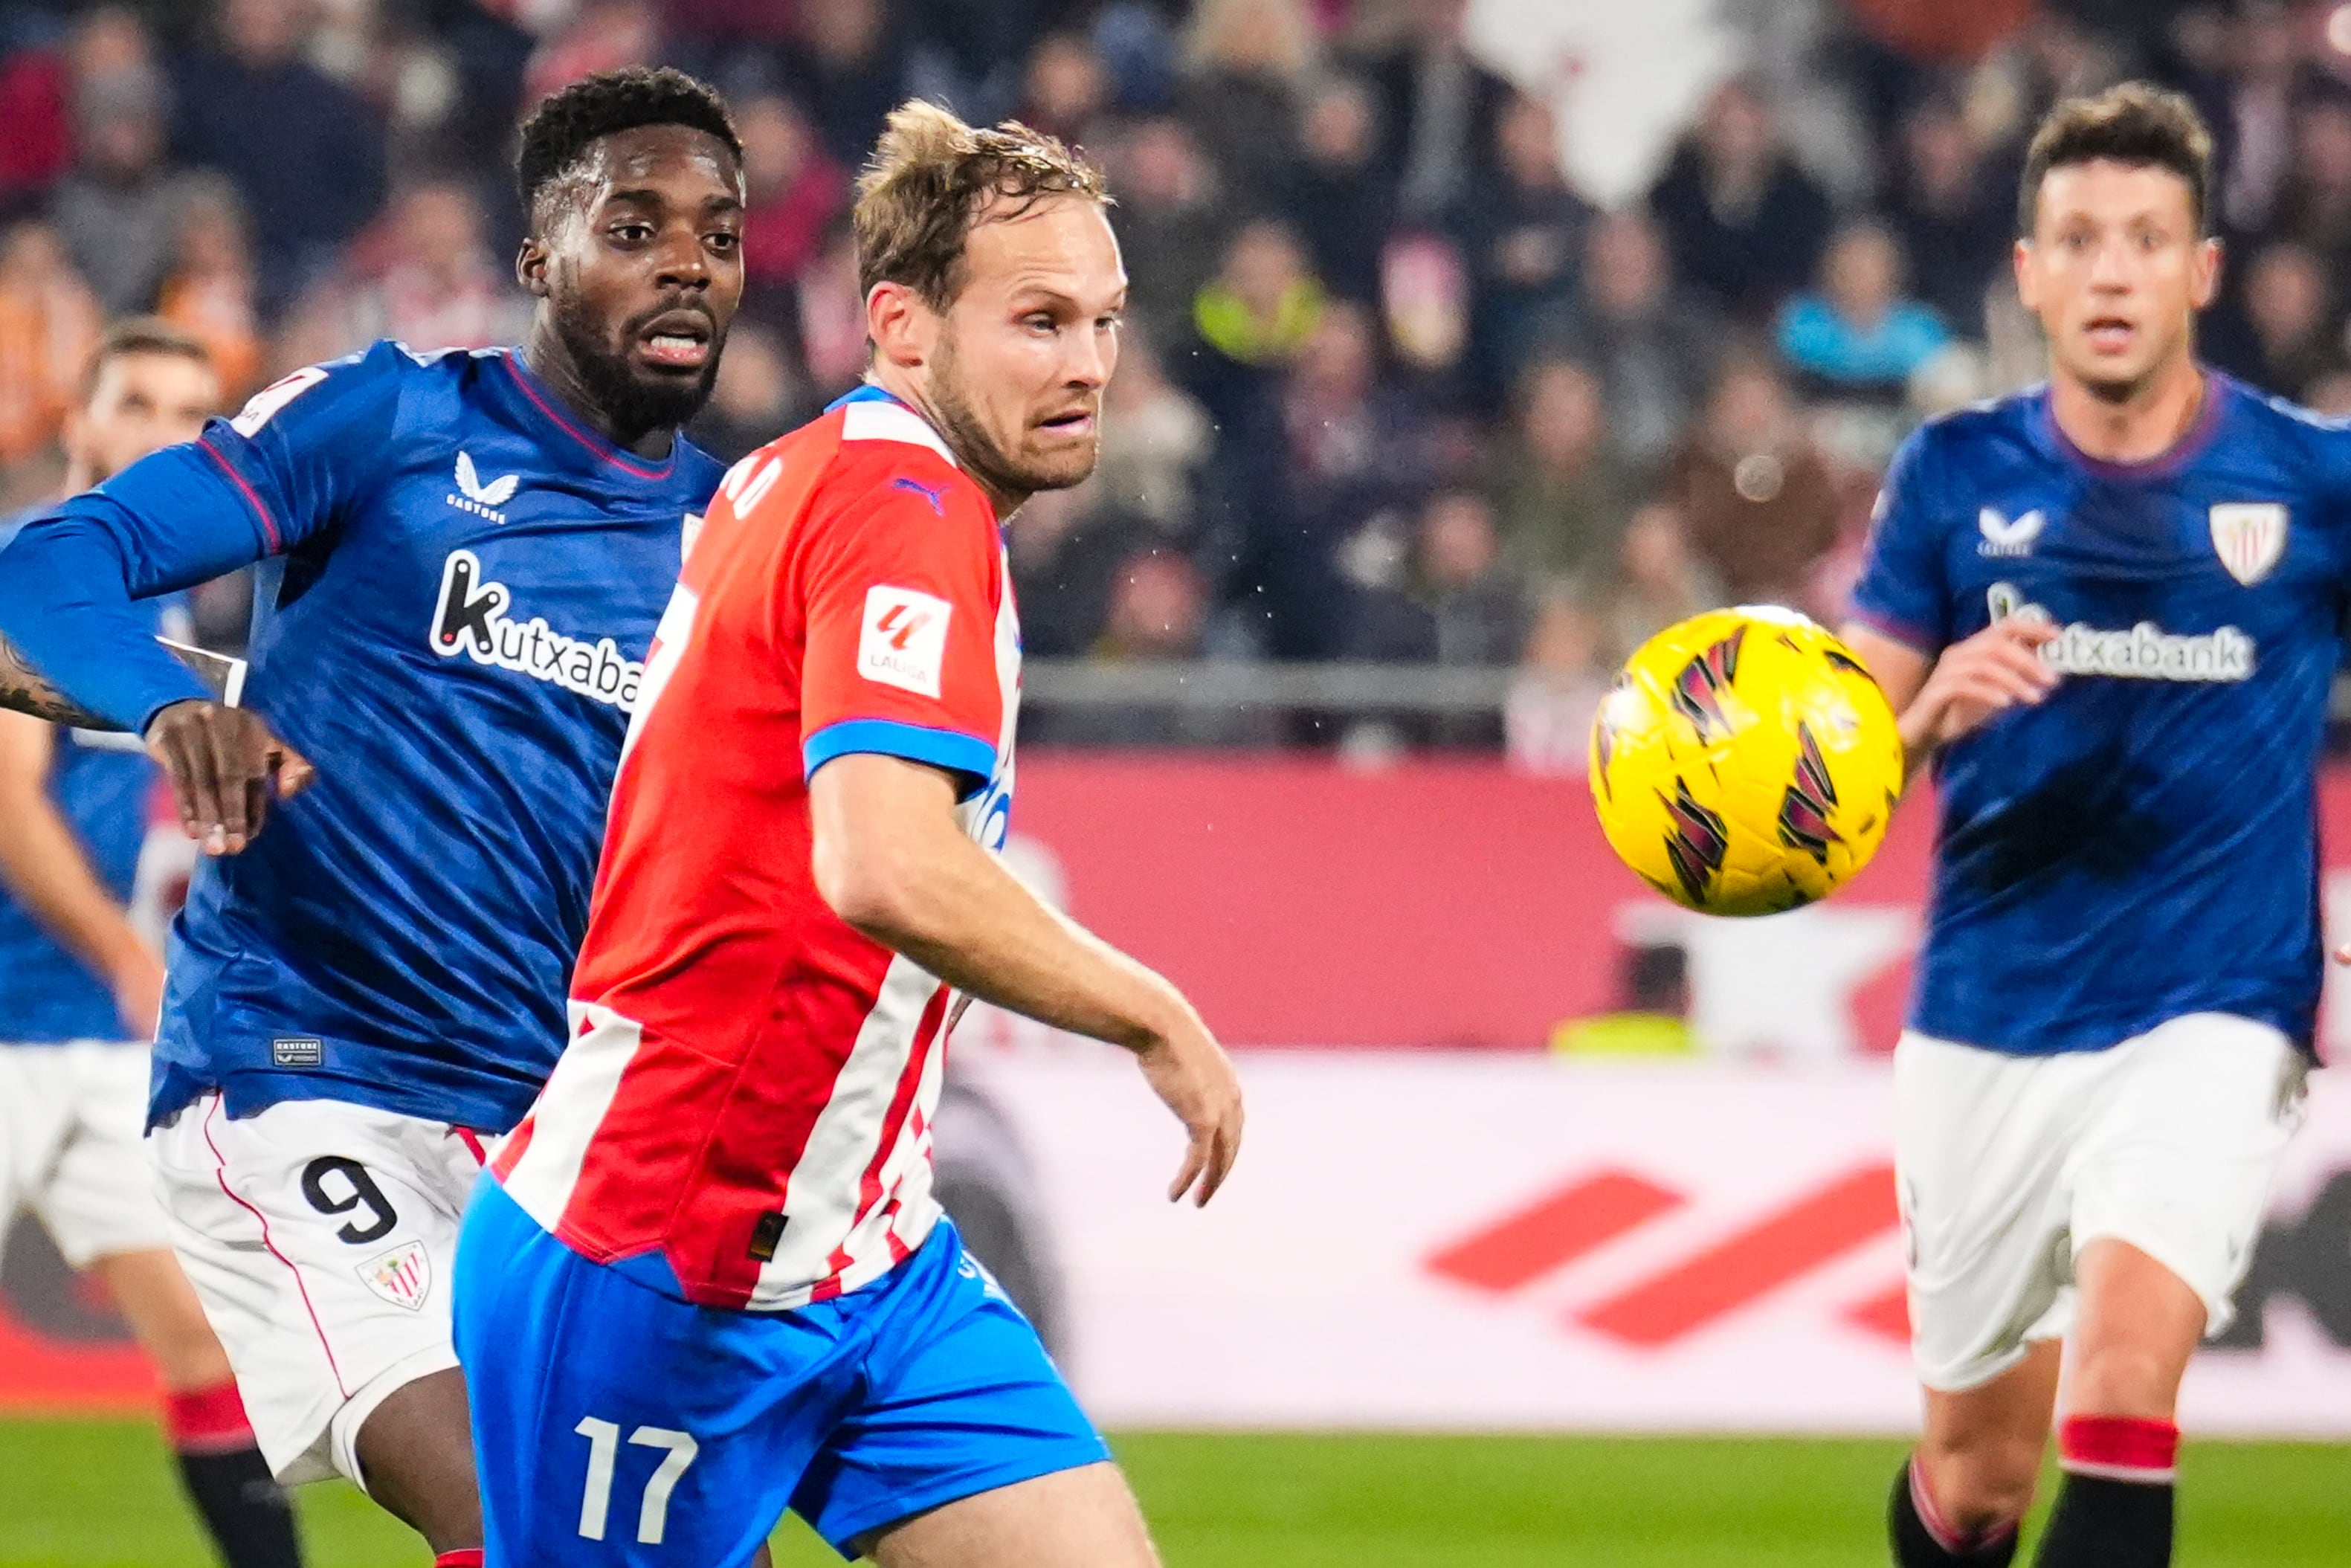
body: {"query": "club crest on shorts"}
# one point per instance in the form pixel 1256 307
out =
pixel 402 1275
pixel 2249 537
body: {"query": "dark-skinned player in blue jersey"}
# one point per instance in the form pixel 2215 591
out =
pixel 465 558
pixel 2108 608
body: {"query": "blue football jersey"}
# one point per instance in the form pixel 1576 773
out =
pixel 462 580
pixel 2143 844
pixel 100 783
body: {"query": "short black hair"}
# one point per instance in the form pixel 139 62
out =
pixel 560 132
pixel 2135 124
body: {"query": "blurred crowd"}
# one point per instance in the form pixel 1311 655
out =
pixel 1393 388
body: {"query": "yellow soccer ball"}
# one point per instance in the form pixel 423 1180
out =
pixel 1745 762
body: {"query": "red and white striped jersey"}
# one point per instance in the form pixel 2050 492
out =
pixel 747 1094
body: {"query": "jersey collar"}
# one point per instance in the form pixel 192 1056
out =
pixel 872 412
pixel 866 391
pixel 551 408
pixel 2191 445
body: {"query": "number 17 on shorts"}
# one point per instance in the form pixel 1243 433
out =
pixel 652 1523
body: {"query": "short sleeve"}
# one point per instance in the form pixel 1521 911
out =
pixel 903 583
pixel 1903 591
pixel 287 467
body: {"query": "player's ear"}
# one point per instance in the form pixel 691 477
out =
pixel 2204 278
pixel 74 429
pixel 530 268
pixel 2027 293
pixel 899 324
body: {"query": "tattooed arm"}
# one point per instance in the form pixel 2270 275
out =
pixel 26 690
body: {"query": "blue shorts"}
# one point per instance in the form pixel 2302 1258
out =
pixel 615 1424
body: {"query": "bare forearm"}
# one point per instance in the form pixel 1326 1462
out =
pixel 890 860
pixel 1952 694
pixel 44 867
pixel 962 917
pixel 1900 672
pixel 1918 748
pixel 25 690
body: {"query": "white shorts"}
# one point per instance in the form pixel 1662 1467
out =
pixel 2008 1166
pixel 321 1236
pixel 69 1121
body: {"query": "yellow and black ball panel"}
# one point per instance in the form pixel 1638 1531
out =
pixel 1745 762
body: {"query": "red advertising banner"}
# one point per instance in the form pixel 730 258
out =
pixel 1304 903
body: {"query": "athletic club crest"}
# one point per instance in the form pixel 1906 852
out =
pixel 2249 537
pixel 402 1275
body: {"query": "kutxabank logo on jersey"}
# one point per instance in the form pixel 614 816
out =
pixel 2142 652
pixel 472 619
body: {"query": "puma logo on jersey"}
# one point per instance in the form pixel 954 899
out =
pixel 936 496
pixel 2008 537
pixel 483 500
pixel 903 640
pixel 471 619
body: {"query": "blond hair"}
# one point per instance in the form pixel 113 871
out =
pixel 932 178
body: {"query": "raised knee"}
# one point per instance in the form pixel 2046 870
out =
pixel 1982 1484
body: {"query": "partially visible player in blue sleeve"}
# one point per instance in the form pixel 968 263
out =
pixel 276 477
pixel 81 982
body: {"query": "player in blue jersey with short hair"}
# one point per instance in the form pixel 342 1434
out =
pixel 2108 608
pixel 467 554
pixel 82 898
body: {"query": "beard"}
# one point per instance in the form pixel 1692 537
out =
pixel 630 400
pixel 1006 473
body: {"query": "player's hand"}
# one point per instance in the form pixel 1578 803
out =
pixel 1997 669
pixel 1191 1074
pixel 138 980
pixel 225 766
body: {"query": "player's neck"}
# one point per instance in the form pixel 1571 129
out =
pixel 80 476
pixel 2145 426
pixel 548 361
pixel 1002 501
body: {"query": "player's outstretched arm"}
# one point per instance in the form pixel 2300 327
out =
pixel 67 587
pixel 891 861
pixel 24 690
pixel 1942 697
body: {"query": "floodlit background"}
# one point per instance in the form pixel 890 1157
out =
pixel 1470 344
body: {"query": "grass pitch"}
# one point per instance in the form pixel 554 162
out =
pixel 101 1494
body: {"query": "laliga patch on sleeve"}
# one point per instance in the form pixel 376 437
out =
pixel 903 640
pixel 263 406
